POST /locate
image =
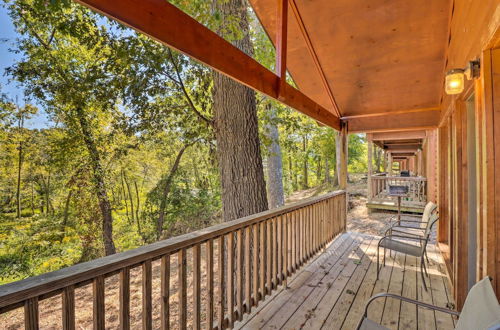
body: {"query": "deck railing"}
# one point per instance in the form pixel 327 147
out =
pixel 417 187
pixel 227 269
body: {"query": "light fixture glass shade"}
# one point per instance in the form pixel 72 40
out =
pixel 454 83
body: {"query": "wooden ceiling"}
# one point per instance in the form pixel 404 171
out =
pixel 399 143
pixel 379 59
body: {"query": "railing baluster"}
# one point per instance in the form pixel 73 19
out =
pixel 248 269
pixel 210 283
pixel 196 287
pixel 280 249
pixel 68 308
pixel 262 269
pixel 98 305
pixel 165 292
pixel 31 314
pixel 285 248
pixel 239 273
pixel 255 272
pixel 221 282
pixel 181 270
pixel 125 298
pixel 269 267
pixel 274 243
pixel 293 241
pixel 147 292
pixel 230 278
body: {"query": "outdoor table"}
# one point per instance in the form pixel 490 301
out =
pixel 398 191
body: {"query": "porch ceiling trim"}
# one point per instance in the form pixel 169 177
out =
pixel 406 121
pixel 172 27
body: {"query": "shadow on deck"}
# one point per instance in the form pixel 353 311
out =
pixel 330 292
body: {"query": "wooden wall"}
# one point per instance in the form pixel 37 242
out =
pixel 475 34
pixel 454 179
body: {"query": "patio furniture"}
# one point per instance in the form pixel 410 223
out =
pixel 398 191
pixel 399 243
pixel 416 225
pixel 481 310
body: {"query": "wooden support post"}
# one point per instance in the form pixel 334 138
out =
pixel 281 44
pixel 343 157
pixel 370 166
pixel 389 164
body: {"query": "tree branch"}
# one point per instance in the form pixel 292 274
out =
pixel 185 92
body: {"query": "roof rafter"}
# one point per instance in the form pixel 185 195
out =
pixel 172 27
pixel 314 56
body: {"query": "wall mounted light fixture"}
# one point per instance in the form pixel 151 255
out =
pixel 455 78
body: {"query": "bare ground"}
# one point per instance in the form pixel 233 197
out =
pixel 50 309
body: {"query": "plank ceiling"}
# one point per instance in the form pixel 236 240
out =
pixel 377 55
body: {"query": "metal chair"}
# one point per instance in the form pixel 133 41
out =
pixel 481 310
pixel 415 226
pixel 396 243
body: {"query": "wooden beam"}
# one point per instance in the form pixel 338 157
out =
pixel 370 165
pixel 404 149
pixel 281 42
pixel 423 120
pixel 405 154
pixel 390 113
pixel 343 157
pixel 172 27
pixel 314 56
pixel 404 135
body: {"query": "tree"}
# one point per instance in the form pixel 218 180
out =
pixel 274 160
pixel 236 125
pixel 67 66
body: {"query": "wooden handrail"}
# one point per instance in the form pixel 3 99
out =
pixel 417 185
pixel 292 233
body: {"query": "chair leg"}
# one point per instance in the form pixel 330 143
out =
pixel 425 267
pixel 422 272
pixel 426 256
pixel 378 260
pixel 384 256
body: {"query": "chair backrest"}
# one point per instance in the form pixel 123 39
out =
pixel 430 207
pixel 428 229
pixel 481 309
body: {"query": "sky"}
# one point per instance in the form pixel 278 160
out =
pixel 8 37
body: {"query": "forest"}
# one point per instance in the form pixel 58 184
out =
pixel 138 148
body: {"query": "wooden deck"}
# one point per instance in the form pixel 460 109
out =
pixel 330 292
pixel 391 205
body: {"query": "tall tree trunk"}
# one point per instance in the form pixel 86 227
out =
pixel 99 183
pixel 236 127
pixel 32 198
pixel 124 197
pixel 276 196
pixel 305 177
pixel 19 166
pixel 47 195
pixel 130 198
pixel 66 210
pixel 318 169
pixel 138 201
pixel 166 190
pixel 290 170
pixel 328 178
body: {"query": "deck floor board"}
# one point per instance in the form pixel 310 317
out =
pixel 330 292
